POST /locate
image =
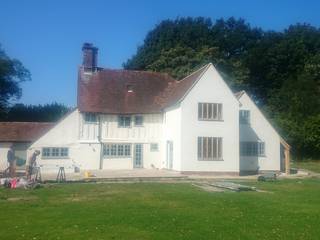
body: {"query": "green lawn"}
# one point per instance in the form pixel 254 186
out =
pixel 308 165
pixel 289 210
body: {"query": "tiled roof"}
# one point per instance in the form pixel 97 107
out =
pixel 106 91
pixel 23 131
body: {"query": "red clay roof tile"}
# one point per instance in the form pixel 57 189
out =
pixel 23 131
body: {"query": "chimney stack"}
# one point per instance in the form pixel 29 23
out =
pixel 90 57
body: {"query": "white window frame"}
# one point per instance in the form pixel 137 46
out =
pixel 244 117
pixel 135 121
pixel 90 117
pixel 253 149
pixel 210 111
pixel 122 121
pixel 117 150
pixel 210 149
pixel 55 152
pixel 154 147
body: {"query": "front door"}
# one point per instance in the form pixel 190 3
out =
pixel 138 156
pixel 169 155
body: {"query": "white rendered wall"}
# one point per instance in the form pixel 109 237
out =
pixel 66 134
pixel 4 147
pixel 172 132
pixel 211 88
pixel 259 129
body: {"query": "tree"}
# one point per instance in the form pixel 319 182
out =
pixel 12 73
pixel 36 113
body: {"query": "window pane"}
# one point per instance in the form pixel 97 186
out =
pixel 127 150
pixel 120 150
pixel 214 149
pixel 219 148
pixel 113 150
pixel 199 147
pixel 64 152
pixel 205 111
pixel 138 120
pixel 210 147
pixel 215 113
pixel 45 152
pixel 55 152
pixel 153 147
pixel 199 110
pixel 220 111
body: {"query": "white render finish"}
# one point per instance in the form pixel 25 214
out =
pixel 259 129
pixel 210 89
pixel 178 124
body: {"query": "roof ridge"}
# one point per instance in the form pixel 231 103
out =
pixel 196 71
pixel 137 71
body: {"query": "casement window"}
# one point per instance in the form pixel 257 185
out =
pixel 154 147
pixel 210 111
pixel 117 150
pixel 55 152
pixel 253 149
pixel 124 121
pixel 138 120
pixel 90 117
pixel 244 116
pixel 209 148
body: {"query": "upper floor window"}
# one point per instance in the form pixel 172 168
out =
pixel 90 117
pixel 55 152
pixel 138 120
pixel 209 148
pixel 124 121
pixel 244 116
pixel 210 111
pixel 252 149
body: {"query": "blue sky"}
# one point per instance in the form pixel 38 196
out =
pixel 47 35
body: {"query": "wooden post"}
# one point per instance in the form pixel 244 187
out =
pixel 287 159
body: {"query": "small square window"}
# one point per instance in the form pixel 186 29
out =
pixel 90 117
pixel 138 120
pixel 154 147
pixel 124 121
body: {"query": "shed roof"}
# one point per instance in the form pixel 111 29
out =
pixel 23 131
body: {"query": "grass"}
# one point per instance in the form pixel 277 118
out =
pixel 308 165
pixel 288 210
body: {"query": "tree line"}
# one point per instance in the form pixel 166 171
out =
pixel 12 73
pixel 279 69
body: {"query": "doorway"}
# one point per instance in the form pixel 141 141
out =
pixel 138 156
pixel 169 161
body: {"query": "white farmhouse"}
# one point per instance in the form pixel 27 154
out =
pixel 137 119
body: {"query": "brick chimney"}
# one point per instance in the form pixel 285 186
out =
pixel 90 57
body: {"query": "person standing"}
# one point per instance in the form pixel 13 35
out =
pixel 32 163
pixel 12 162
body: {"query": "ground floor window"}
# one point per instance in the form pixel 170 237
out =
pixel 154 147
pixel 117 150
pixel 253 149
pixel 55 152
pixel 209 148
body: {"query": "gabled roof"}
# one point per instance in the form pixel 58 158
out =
pixel 23 131
pixel 106 91
pixel 176 90
pixel 282 140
